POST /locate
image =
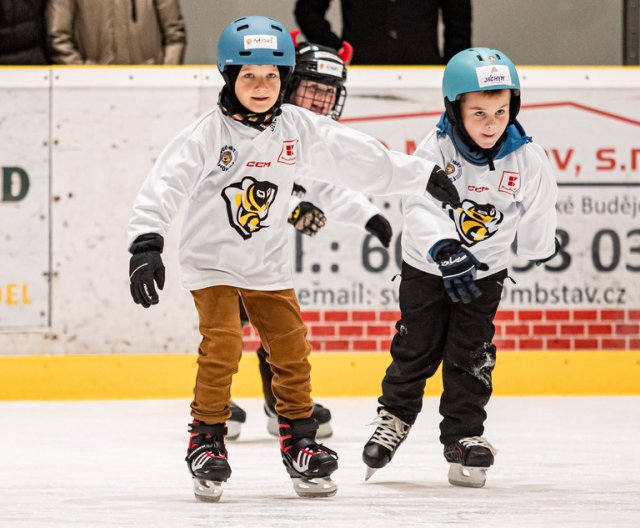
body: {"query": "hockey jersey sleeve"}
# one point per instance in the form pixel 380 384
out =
pixel 538 219
pixel 340 204
pixel 337 154
pixel 425 222
pixel 170 181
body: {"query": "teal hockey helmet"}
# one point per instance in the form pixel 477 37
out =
pixel 255 40
pixel 477 70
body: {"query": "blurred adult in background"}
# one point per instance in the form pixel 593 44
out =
pixel 116 31
pixel 391 31
pixel 22 32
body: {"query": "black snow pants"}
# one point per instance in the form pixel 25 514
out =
pixel 434 330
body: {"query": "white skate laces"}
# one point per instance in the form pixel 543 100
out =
pixel 478 441
pixel 390 430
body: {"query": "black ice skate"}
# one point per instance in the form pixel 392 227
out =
pixel 207 460
pixel 469 459
pixel 234 424
pixel 309 464
pixel 321 414
pixel 384 442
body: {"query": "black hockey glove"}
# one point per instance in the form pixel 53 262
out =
pixel 458 267
pixel 145 267
pixel 555 252
pixel 380 228
pixel 442 188
pixel 307 218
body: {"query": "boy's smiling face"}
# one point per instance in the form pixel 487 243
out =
pixel 485 115
pixel 258 87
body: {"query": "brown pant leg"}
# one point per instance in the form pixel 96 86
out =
pixel 219 352
pixel 276 317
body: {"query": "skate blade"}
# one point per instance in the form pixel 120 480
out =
pixel 324 430
pixel 233 430
pixel 370 472
pixel 207 490
pixel 468 477
pixel 272 427
pixel 314 488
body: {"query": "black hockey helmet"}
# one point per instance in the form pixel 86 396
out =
pixel 323 65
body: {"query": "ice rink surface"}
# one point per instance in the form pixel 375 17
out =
pixel 562 462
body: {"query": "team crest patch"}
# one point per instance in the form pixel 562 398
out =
pixel 248 204
pixel 509 182
pixel 476 222
pixel 453 170
pixel 288 152
pixel 228 156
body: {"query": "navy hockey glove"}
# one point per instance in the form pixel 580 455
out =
pixel 145 267
pixel 307 218
pixel 380 228
pixel 458 267
pixel 441 188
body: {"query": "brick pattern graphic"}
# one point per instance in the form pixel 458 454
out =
pixel 370 331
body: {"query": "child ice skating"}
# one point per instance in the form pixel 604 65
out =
pixel 508 190
pixel 236 166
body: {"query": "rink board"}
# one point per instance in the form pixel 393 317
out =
pixel 80 377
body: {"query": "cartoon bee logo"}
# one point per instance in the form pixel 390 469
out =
pixel 477 222
pixel 248 204
pixel 228 156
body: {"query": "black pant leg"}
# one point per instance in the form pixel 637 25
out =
pixel 417 347
pixel 469 359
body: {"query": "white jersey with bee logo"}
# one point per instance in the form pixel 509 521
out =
pixel 517 199
pixel 238 181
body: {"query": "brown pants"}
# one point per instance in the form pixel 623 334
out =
pixel 276 317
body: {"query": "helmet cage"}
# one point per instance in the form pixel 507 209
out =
pixel 321 65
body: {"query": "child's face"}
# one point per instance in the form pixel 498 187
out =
pixel 315 96
pixel 258 87
pixel 485 115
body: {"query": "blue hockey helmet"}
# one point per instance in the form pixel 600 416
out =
pixel 255 40
pixel 476 70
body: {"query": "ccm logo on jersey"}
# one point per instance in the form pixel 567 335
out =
pixel 510 182
pixel 258 164
pixel 477 189
pixel 288 152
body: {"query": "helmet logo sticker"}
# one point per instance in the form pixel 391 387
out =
pixel 248 204
pixel 476 222
pixel 288 152
pixel 260 41
pixel 496 75
pixel 330 68
pixel 228 156
pixel 453 170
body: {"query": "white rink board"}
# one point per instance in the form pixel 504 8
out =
pixel 109 124
pixel 561 463
pixel 24 202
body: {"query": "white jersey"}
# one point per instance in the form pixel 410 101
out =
pixel 238 183
pixel 339 204
pixel 518 198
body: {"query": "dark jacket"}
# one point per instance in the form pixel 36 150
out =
pixel 22 32
pixel 391 31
